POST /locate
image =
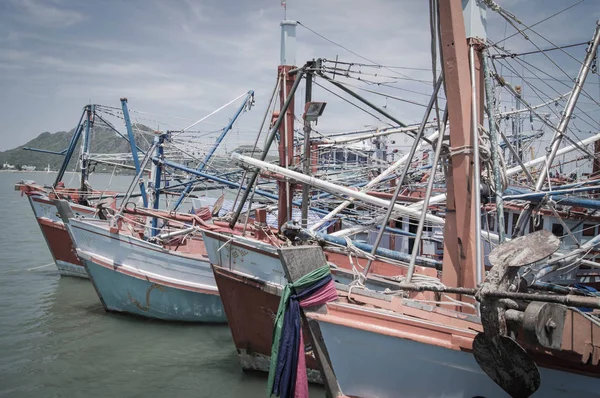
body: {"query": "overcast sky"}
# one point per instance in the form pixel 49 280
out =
pixel 186 58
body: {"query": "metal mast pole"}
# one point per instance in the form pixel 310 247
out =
pixel 570 106
pixel 495 149
pixel 70 149
pixel 85 148
pixel 134 151
pixel 306 164
pixel 268 143
pixel 413 149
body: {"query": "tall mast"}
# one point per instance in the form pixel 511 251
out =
pixel 85 147
pixel 286 129
pixel 460 232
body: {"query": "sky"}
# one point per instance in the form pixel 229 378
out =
pixel 185 58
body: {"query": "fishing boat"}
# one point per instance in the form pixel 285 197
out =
pixel 379 329
pixel 510 341
pixel 134 276
pixel 54 232
pixel 150 262
pixel 84 199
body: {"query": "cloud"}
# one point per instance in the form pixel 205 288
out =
pixel 47 13
pixel 191 56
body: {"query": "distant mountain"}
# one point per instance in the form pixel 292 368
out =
pixel 102 140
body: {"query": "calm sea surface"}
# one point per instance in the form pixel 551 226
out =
pixel 57 340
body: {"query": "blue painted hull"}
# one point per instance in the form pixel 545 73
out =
pixel 125 293
pixel 376 365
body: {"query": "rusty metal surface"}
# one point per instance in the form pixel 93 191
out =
pixel 543 324
pixel 499 356
pixel 507 363
pixel 525 250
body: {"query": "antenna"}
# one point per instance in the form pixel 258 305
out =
pixel 284 5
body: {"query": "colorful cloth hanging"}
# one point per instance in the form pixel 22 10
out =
pixel 287 374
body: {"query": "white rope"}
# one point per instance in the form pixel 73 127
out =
pixel 209 115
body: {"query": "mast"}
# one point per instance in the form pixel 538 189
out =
pixel 157 174
pixel 85 148
pixel 306 166
pixel 70 149
pixel 458 267
pixel 286 129
pixel 134 151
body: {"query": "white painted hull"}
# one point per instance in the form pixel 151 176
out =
pixel 248 256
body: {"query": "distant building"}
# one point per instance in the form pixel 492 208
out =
pixel 8 166
pixel 27 168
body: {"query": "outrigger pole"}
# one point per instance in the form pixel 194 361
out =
pixel 188 187
pixel 71 148
pixel 134 150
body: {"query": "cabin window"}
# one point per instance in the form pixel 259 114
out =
pixel 558 230
pixel 399 224
pixel 588 230
pixel 506 222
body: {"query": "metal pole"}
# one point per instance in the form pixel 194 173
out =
pixel 494 144
pixel 306 187
pixel 270 139
pixel 70 149
pixel 134 149
pixel 159 141
pixel 85 148
pixel 334 188
pixel 436 159
pixel 476 170
pixel 413 149
pixel 119 214
pixel 213 149
pixel 564 122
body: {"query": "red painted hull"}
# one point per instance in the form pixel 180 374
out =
pixel 59 242
pixel 251 306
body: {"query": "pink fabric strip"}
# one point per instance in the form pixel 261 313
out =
pixel 324 295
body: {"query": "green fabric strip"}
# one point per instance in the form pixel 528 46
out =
pixel 301 283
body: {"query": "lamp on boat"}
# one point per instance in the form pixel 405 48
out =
pixel 313 110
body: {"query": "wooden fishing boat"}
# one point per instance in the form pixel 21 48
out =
pixel 134 276
pixel 366 332
pixel 83 199
pixel 523 344
pixel 52 228
pixel 250 278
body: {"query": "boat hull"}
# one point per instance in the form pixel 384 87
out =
pixel 378 364
pixel 136 277
pixel 251 305
pixel 56 236
pixel 127 292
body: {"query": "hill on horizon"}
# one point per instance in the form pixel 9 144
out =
pixel 102 140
